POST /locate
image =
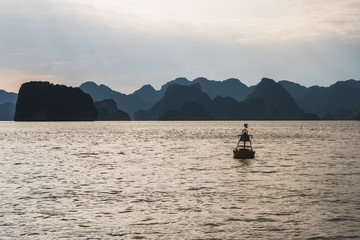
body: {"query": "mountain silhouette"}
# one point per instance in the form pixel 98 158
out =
pixel 229 88
pixel 173 100
pixel 230 100
pixel 347 113
pixel 149 95
pixel 108 111
pixel 178 81
pixel 269 101
pixel 7 97
pixel 326 101
pixel 280 105
pixel 7 111
pixel 296 90
pixel 43 101
pixel 145 97
pixel 7 105
pixel 128 103
pixel 190 111
pixel 227 108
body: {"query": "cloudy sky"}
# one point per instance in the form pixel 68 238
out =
pixel 128 43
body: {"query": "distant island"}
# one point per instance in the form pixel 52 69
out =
pixel 43 101
pixel 340 101
pixel 181 99
pixel 269 101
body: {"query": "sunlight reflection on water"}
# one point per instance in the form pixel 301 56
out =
pixel 178 180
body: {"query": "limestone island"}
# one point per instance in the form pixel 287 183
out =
pixel 44 101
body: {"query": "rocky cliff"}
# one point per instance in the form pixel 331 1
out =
pixel 43 101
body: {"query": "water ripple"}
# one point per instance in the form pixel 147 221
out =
pixel 178 180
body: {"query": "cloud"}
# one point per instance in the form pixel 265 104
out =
pixel 231 20
pixel 228 20
pixel 126 44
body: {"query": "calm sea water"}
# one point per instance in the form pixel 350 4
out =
pixel 178 180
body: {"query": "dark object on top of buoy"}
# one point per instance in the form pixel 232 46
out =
pixel 244 146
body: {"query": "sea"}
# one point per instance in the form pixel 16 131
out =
pixel 179 180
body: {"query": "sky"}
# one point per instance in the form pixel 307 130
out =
pixel 125 44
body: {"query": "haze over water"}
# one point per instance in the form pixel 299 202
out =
pixel 178 180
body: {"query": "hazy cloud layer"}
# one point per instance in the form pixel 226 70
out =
pixel 128 43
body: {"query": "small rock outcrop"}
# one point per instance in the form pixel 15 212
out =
pixel 44 101
pixel 108 111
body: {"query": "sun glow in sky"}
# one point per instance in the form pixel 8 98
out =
pixel 128 43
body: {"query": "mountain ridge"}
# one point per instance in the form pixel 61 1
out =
pixel 179 101
pixel 325 100
pixel 146 96
pixel 332 102
pixel 7 97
